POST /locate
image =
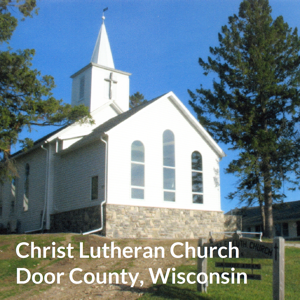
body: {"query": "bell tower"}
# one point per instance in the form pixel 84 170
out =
pixel 99 82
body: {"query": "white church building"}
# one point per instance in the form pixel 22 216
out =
pixel 151 171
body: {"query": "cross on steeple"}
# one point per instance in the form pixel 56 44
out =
pixel 111 81
pixel 104 10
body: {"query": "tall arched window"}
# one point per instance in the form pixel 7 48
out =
pixel 197 178
pixel 137 170
pixel 169 165
pixel 26 188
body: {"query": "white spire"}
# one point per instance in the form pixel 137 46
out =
pixel 102 54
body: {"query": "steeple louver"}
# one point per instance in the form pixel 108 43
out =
pixel 102 53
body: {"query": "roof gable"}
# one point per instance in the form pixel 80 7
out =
pixel 118 120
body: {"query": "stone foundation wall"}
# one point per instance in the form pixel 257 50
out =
pixel 124 221
pixel 233 222
pixel 78 220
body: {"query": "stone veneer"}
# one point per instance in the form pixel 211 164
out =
pixel 77 220
pixel 124 221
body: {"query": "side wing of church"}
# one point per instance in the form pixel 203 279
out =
pixel 151 171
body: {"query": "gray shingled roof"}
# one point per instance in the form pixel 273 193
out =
pixel 281 212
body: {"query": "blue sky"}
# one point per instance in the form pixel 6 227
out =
pixel 158 41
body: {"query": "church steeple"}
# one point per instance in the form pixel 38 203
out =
pixel 99 84
pixel 102 53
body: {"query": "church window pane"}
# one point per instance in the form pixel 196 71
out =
pixel 137 170
pixel 169 196
pixel 196 161
pixel 169 152
pixel 137 174
pixel 277 229
pixel 169 165
pixel 285 229
pixel 137 152
pixel 137 193
pixel 81 88
pixel 197 198
pixel 169 179
pixel 94 188
pixel 13 195
pixel 197 182
pixel 197 178
pixel 26 188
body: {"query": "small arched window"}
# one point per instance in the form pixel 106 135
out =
pixel 137 170
pixel 169 165
pixel 26 188
pixel 197 178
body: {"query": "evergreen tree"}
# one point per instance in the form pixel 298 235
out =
pixel 136 99
pixel 254 106
pixel 25 96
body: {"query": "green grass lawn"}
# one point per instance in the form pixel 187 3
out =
pixel 8 266
pixel 253 290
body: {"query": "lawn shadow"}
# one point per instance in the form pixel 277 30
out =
pixel 165 291
pixel 173 292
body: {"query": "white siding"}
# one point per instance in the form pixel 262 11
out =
pixel 96 88
pixel 148 126
pixel 31 219
pixel 87 88
pixel 72 177
pixel 99 91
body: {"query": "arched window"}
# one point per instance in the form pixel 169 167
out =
pixel 197 178
pixel 26 188
pixel 169 165
pixel 137 170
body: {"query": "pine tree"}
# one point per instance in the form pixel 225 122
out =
pixel 25 96
pixel 136 99
pixel 254 106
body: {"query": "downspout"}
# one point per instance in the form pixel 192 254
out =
pixel 46 193
pixel 105 191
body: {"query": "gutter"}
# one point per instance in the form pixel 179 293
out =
pixel 105 191
pixel 46 193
